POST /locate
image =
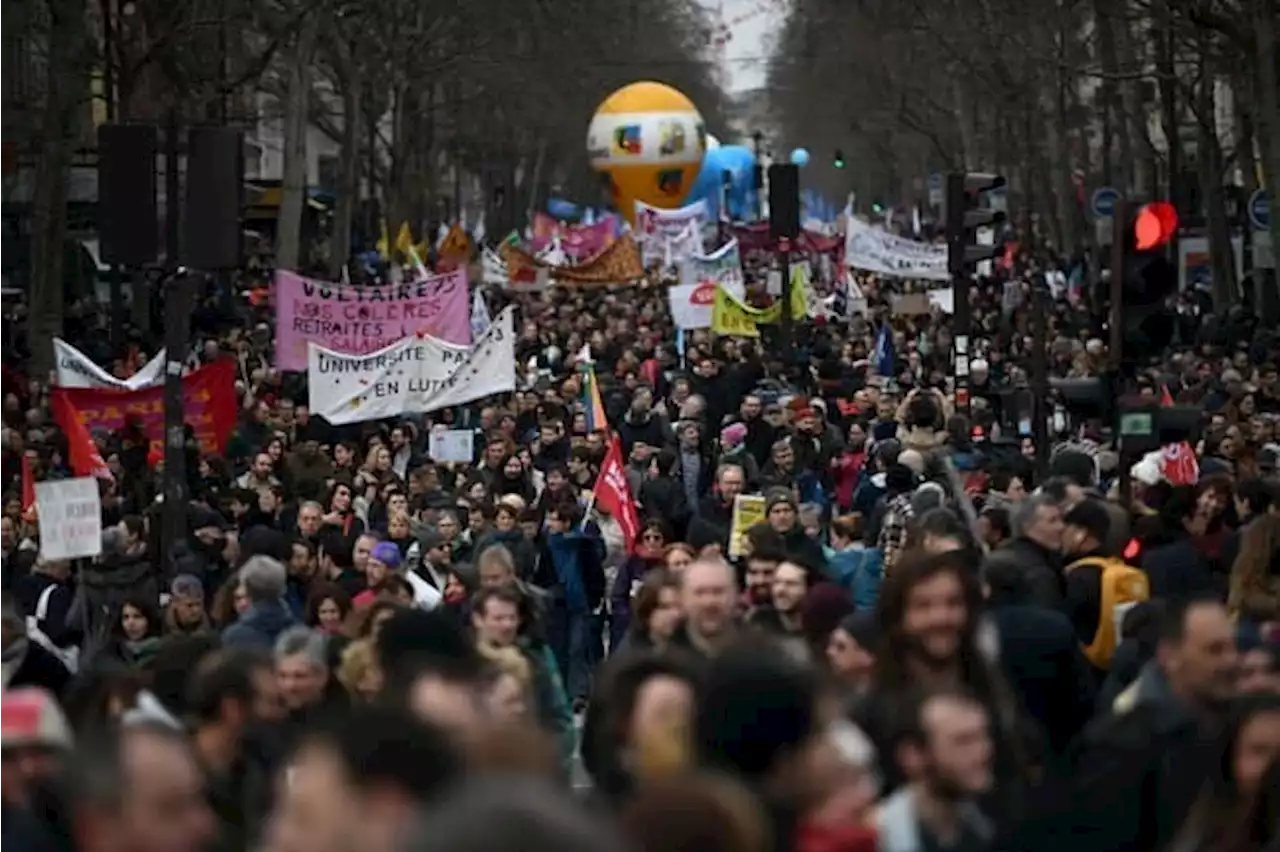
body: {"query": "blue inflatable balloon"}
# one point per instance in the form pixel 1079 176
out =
pixel 561 209
pixel 800 157
pixel 739 162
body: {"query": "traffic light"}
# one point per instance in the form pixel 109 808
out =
pixel 966 212
pixel 1149 279
pixel 838 160
pixel 877 208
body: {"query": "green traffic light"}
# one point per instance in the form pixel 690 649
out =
pixel 839 159
pixel 877 208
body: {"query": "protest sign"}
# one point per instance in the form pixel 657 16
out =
pixel 669 236
pixel 452 445
pixel 748 510
pixel 877 250
pixel 415 376
pixel 692 305
pixel 77 370
pixel 619 263
pixel 723 265
pixel 208 405
pixel 70 512
pixel 363 319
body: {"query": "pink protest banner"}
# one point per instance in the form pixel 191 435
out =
pixel 364 319
pixel 577 241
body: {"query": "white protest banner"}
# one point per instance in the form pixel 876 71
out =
pixel 665 235
pixel 723 265
pixel 75 370
pixel 877 250
pixel 692 304
pixel 452 445
pixel 415 376
pixel 70 512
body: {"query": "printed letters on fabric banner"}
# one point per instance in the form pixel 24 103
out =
pixel 417 375
pixel 77 370
pixel 363 319
pixel 208 405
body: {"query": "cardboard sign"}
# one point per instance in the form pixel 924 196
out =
pixel 70 513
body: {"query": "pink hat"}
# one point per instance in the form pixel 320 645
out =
pixel 733 434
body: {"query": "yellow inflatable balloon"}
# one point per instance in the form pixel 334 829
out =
pixel 649 139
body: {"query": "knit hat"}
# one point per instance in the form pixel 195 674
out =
pixel 777 496
pixel 29 716
pixel 186 587
pixel 733 434
pixel 387 553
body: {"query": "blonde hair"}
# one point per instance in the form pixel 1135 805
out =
pixel 358 659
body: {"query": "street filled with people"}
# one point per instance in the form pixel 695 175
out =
pixel 718 594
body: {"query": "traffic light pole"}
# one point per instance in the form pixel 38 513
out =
pixel 957 270
pixel 1115 322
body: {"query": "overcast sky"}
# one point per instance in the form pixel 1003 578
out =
pixel 746 51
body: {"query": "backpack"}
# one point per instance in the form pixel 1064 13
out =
pixel 102 590
pixel 1123 587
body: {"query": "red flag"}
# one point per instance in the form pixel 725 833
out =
pixel 82 452
pixel 613 494
pixel 28 489
pixel 1178 464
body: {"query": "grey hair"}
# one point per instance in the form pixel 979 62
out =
pixel 305 641
pixel 311 504
pixel 1025 513
pixel 264 579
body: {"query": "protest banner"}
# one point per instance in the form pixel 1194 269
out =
pixel 723 265
pixel 669 236
pixel 208 404
pixel 77 370
pixel 619 263
pixel 364 319
pixel 70 512
pixel 692 305
pixel 732 317
pixel 417 375
pixel 577 241
pixel 748 510
pixel 876 250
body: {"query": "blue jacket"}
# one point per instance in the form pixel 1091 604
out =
pixel 259 627
pixel 576 559
pixel 858 569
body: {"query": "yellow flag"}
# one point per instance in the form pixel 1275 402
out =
pixel 455 242
pixel 799 291
pixel 732 318
pixel 384 243
pixel 404 239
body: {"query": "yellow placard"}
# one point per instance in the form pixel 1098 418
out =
pixel 748 510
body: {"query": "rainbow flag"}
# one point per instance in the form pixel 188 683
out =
pixel 596 420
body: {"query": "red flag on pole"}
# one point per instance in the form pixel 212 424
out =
pixel 613 494
pixel 1178 462
pixel 82 452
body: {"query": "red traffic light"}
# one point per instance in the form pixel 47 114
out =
pixel 1155 225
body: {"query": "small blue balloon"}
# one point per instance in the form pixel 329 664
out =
pixel 800 157
pixel 562 209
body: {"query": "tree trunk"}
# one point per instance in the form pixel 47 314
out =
pixel 1209 161
pixel 1165 47
pixel 1268 104
pixel 1143 175
pixel 349 179
pixel 293 186
pixel 53 171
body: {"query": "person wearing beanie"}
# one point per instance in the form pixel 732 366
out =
pixel 733 450
pixel 782 513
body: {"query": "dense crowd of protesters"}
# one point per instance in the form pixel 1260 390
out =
pixel 940 637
